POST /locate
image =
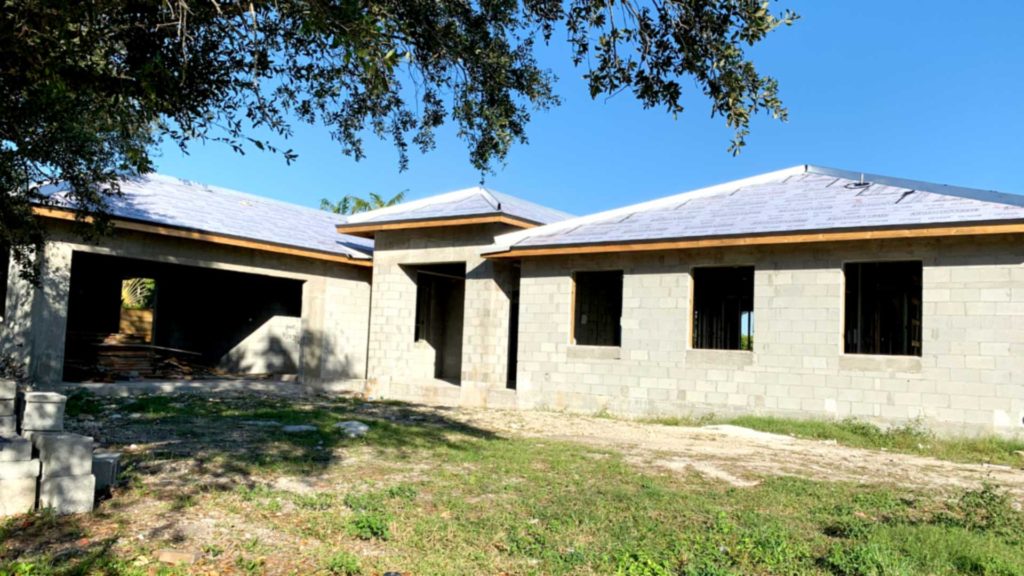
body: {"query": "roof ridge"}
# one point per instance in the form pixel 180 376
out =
pixel 506 241
pixel 491 198
pixel 978 194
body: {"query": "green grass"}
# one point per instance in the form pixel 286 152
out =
pixel 912 438
pixel 435 497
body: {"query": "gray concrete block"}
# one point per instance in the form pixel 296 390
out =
pixel 15 449
pixel 64 454
pixel 21 469
pixel 19 495
pixel 68 494
pixel 7 407
pixel 8 426
pixel 106 466
pixel 8 389
pixel 43 411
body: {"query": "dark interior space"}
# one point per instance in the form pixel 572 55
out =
pixel 883 308
pixel 723 308
pixel 5 265
pixel 597 317
pixel 511 276
pixel 192 316
pixel 440 309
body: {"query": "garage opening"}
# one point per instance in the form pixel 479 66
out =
pixel 440 309
pixel 131 319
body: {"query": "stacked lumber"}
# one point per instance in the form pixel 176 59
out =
pixel 110 357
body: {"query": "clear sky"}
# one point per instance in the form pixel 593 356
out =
pixel 924 90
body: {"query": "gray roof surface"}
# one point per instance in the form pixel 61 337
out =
pixel 799 199
pixel 169 201
pixel 477 201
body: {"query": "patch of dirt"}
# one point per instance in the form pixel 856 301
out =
pixel 739 456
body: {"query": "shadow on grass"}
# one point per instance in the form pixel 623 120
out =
pixel 172 439
pixel 177 447
pixel 43 543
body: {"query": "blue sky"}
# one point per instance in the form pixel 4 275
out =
pixel 913 89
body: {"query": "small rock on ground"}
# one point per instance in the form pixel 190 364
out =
pixel 353 428
pixel 176 557
pixel 299 428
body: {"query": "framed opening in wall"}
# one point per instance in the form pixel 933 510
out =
pixel 597 308
pixel 723 308
pixel 883 308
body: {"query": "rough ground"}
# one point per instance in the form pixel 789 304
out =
pixel 731 454
pixel 740 455
pixel 217 476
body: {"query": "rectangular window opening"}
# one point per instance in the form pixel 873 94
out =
pixel 883 308
pixel 138 296
pixel 723 308
pixel 597 308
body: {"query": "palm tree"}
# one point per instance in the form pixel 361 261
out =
pixel 350 204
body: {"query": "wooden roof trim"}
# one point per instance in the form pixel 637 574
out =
pixel 368 229
pixel 184 233
pixel 765 240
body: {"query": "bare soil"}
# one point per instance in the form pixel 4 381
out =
pixel 741 456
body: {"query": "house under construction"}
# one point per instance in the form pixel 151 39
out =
pixel 804 292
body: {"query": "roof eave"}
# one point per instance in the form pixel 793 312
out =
pixel 369 229
pixel 802 237
pixel 211 237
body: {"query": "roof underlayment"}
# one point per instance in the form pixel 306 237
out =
pixel 795 200
pixel 168 201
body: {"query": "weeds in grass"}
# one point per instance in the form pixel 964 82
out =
pixel 987 509
pixel 370 525
pixel 689 420
pixel 640 564
pixel 318 501
pixel 343 564
pixel 249 565
pixel 213 550
pixel 867 559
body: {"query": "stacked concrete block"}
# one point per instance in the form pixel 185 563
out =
pixel 19 473
pixel 43 412
pixel 60 475
pixel 66 483
pixel 8 420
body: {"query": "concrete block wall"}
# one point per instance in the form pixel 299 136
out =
pixel 970 377
pixel 401 368
pixel 335 306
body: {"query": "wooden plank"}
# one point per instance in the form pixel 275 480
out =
pixel 765 240
pixel 369 229
pixel 174 232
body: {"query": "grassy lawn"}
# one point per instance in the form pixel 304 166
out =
pixel 421 494
pixel 909 439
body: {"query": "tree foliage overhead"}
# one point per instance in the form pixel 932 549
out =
pixel 87 88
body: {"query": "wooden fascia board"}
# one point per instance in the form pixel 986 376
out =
pixel 770 239
pixel 184 233
pixel 368 229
